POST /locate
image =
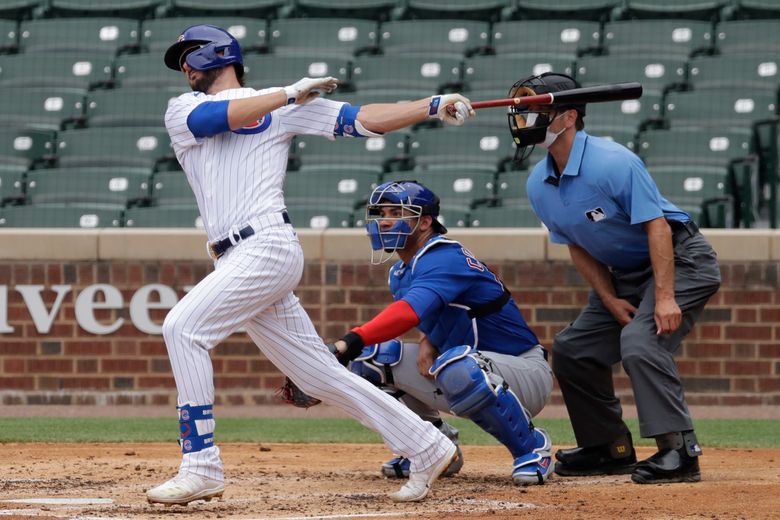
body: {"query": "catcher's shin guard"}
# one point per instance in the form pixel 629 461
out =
pixel 471 391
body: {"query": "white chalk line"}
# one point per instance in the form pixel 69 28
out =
pixel 60 501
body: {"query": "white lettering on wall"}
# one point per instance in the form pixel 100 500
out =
pixel 86 307
pixel 5 328
pixel 42 319
pixel 140 306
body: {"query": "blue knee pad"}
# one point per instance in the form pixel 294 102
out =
pixel 376 361
pixel 471 391
pixel 189 440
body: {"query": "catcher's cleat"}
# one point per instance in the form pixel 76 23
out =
pixel 419 483
pixel 185 488
pixel 534 467
pixel 617 458
pixel 399 467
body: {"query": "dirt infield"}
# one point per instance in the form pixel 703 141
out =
pixel 89 481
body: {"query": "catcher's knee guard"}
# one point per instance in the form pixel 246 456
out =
pixel 189 439
pixel 375 364
pixel 482 396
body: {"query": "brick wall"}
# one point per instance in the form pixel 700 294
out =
pixel 731 357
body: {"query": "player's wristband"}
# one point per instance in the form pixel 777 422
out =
pixel 291 93
pixel 354 347
pixel 433 107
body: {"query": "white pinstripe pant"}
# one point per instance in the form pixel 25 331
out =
pixel 252 286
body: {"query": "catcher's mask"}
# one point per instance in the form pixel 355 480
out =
pixel 205 47
pixel 529 126
pixel 410 200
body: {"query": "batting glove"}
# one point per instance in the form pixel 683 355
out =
pixel 306 89
pixel 453 109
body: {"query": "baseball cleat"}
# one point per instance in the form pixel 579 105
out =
pixel 617 458
pixel 419 483
pixel 534 467
pixel 667 466
pixel 185 488
pixel 399 467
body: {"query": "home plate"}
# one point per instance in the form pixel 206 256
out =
pixel 61 501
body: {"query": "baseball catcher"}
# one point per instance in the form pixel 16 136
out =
pixel 476 356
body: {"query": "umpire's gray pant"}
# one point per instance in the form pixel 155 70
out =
pixel 584 352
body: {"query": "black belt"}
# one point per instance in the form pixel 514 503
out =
pixel 220 247
pixel 683 230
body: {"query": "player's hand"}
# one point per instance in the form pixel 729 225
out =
pixel 425 357
pixel 621 309
pixel 668 316
pixel 306 89
pixel 452 109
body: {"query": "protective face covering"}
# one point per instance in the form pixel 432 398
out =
pixel 550 136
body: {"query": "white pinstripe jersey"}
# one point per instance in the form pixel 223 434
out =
pixel 239 175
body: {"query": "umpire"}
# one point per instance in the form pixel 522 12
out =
pixel 651 272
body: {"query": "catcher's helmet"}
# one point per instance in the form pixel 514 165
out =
pixel 415 199
pixel 201 45
pixel 529 127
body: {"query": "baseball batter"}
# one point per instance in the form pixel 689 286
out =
pixel 477 357
pixel 232 143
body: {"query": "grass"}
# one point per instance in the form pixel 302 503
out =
pixel 735 433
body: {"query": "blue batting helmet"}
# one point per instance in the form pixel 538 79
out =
pixel 201 45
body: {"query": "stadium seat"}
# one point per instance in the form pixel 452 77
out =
pixel 109 187
pixel 379 10
pixel 157 35
pixel 511 188
pixel 595 10
pixel 268 70
pixel 41 108
pixel 141 147
pixel 374 154
pixel 453 216
pixel 755 9
pixel 754 71
pixel 19 9
pixel 746 36
pixel 557 38
pixel 691 9
pixel 486 10
pixel 129 107
pixel 172 189
pixel 338 37
pixel 662 38
pixel 454 38
pixel 77 70
pixel 11 185
pixel 163 216
pixel 60 216
pixel 137 9
pixel 148 71
pixel 462 188
pixel 487 72
pixel 467 149
pixel 705 187
pixel 109 35
pixel 725 107
pixel 504 216
pixel 21 149
pixel 714 146
pixel 655 74
pixel 201 8
pixel 380 96
pixel 319 216
pixel 344 189
pixel 8 36
pixel 402 72
pixel 623 117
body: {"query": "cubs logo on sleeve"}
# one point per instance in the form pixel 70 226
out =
pixel 255 128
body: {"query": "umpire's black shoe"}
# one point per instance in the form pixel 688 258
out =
pixel 667 466
pixel 617 458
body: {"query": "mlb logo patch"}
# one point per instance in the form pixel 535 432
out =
pixel 595 214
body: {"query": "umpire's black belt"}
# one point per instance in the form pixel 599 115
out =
pixel 220 247
pixel 683 230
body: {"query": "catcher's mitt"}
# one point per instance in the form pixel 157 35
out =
pixel 291 394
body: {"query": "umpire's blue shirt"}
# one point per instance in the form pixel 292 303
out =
pixel 601 200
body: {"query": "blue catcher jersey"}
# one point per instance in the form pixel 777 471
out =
pixel 442 283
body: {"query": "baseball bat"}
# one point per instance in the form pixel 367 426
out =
pixel 595 94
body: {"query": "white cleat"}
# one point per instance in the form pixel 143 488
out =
pixel 184 488
pixel 419 483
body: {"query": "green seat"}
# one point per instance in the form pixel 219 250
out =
pixel 727 107
pixel 172 189
pixel 373 154
pixel 319 216
pixel 714 146
pixel 595 10
pixel 453 216
pixel 21 149
pixel 380 96
pixel 41 108
pixel 76 70
pixel 511 187
pixel 462 188
pixel 202 8
pixel 345 189
pixel 484 149
pixel 163 217
pixel 322 36
pixel 117 187
pixel 157 35
pixel 141 147
pixel 655 74
pixel 268 70
pixel 406 72
pixel 109 35
pixel 366 9
pixel 487 10
pixel 757 8
pixel 18 9
pixel 692 9
pixel 434 37
pixel 487 72
pixel 623 117
pixel 137 9
pixel 129 107
pixel 148 71
pixel 678 38
pixel 559 38
pixel 747 36
pixel 8 36
pixel 747 71
pixel 11 185
pixel 504 216
pixel 704 187
pixel 60 216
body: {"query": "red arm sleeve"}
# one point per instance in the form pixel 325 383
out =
pixel 394 321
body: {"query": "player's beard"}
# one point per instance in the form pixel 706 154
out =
pixel 205 81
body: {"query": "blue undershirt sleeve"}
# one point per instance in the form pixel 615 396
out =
pixel 209 119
